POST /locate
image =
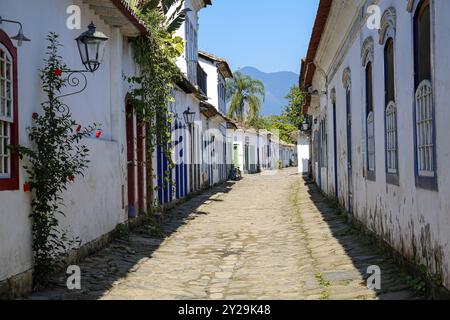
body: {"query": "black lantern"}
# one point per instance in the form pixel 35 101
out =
pixel 91 45
pixel 305 125
pixel 189 117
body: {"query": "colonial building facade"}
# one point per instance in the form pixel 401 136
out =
pixel 378 83
pixel 190 173
pixel 96 203
pixel 114 188
pixel 217 140
pixel 257 151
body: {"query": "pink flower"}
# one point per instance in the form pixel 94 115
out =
pixel 35 116
pixel 79 128
pixel 98 134
pixel 58 72
pixel 72 178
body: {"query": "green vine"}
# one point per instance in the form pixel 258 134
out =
pixel 54 160
pixel 152 91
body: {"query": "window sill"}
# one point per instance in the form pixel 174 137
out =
pixel 392 179
pixel 9 184
pixel 427 183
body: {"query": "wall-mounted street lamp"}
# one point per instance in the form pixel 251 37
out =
pixel 306 123
pixel 315 93
pixel 91 45
pixel 189 117
pixel 20 36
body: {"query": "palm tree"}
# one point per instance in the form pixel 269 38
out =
pixel 245 96
pixel 174 21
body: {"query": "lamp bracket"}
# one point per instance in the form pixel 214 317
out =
pixel 10 21
pixel 75 78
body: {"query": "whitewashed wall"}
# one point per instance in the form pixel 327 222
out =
pixel 413 220
pixel 239 141
pixel 94 203
pixel 212 81
pixel 303 154
pixel 216 125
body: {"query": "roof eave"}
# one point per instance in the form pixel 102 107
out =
pixel 131 16
pixel 308 67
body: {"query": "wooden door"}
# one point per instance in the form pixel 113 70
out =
pixel 131 160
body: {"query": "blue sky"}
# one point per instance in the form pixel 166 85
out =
pixel 266 34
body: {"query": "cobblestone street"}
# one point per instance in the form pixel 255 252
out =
pixel 265 237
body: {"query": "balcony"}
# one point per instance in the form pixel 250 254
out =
pixel 202 79
pixel 197 76
pixel 192 71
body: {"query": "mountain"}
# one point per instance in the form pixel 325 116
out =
pixel 277 85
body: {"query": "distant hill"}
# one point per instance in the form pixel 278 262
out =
pixel 277 86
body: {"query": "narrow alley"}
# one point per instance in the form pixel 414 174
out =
pixel 268 236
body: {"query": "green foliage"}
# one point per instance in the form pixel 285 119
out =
pixel 325 284
pixel 321 280
pixel 162 7
pixel 436 279
pixel 293 111
pixel 417 284
pixel 122 232
pixel 257 122
pixel 282 125
pixel 55 158
pixel 152 228
pixel 151 91
pixel 287 123
pixel 246 96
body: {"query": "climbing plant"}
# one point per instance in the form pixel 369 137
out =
pixel 172 10
pixel 52 162
pixel 152 91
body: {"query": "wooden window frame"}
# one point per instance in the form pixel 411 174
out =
pixel 390 117
pixel 370 115
pixel 12 182
pixel 424 181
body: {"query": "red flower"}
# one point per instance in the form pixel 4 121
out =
pixel 98 134
pixel 35 116
pixel 79 128
pixel 58 72
pixel 72 178
pixel 26 187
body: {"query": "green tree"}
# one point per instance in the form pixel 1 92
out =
pixel 257 122
pixel 293 111
pixel 245 96
pixel 171 23
pixel 282 125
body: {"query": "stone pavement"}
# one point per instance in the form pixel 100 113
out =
pixel 264 237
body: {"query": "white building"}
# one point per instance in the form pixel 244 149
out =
pixel 288 155
pixel 266 152
pixel 245 149
pixel 217 137
pixel 380 129
pixel 96 203
pixel 303 151
pixel 261 150
pixel 190 174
